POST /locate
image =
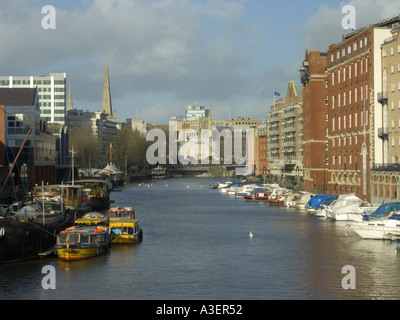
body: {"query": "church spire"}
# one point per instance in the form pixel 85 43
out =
pixel 106 106
pixel 70 105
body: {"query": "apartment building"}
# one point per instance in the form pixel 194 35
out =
pixel 20 113
pixel 354 80
pixel 51 91
pixel 385 178
pixel 285 134
pixel 261 150
pixel 315 121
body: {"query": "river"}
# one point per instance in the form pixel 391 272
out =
pixel 196 246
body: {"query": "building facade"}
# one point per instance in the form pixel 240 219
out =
pixel 285 135
pixel 315 121
pixel 354 80
pixel 385 176
pixel 51 93
pixel 38 154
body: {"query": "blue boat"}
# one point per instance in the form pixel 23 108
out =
pixel 315 202
pixel 384 210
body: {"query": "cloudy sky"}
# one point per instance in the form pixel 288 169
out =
pixel 230 55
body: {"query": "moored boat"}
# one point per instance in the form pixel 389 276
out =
pixel 27 232
pixel 79 243
pixel 382 224
pixel 123 226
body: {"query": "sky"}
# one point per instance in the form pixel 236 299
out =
pixel 163 55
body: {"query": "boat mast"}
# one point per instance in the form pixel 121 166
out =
pixel 15 160
pixel 72 164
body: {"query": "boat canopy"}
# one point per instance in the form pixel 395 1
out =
pixel 385 209
pixel 316 201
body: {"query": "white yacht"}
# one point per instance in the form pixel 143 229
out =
pixel 382 224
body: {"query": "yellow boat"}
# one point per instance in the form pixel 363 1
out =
pixel 92 219
pixel 83 242
pixel 123 227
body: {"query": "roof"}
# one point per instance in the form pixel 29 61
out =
pixel 17 96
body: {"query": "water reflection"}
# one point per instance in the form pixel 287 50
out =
pixel 196 245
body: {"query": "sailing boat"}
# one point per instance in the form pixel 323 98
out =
pixel 116 175
pixel 28 231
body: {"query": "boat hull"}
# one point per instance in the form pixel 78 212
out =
pixel 25 240
pixel 75 253
pixel 127 239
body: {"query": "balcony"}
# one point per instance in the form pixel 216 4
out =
pixel 383 133
pixel 383 97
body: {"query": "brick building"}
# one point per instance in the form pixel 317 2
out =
pixel 354 80
pixel 315 121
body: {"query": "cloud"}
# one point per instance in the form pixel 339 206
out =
pixel 325 26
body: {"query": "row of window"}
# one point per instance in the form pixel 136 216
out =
pixel 346 122
pixel 384 53
pixel 62 97
pixel 48 104
pixel 352 70
pixel 349 49
pixel 348 97
pixel 344 141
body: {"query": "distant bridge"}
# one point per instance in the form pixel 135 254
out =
pixel 204 171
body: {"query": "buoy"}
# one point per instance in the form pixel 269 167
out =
pixel 251 234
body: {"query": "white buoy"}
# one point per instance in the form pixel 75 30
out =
pixel 251 234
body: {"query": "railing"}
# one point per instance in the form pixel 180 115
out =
pixel 383 133
pixel 383 96
pixel 386 167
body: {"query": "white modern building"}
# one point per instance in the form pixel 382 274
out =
pixel 51 90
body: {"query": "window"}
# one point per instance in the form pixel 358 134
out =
pixel 344 122
pixel 332 57
pixel 355 46
pixel 326 100
pixel 349 71
pixel 384 53
pixel 344 98
pixel 344 74
pixel 392 68
pixel 349 120
pixel 338 78
pixel 392 51
pixel 333 124
pixel 333 77
pixel 348 49
pixel 355 69
pixel 365 41
pixel 333 102
pixel 355 94
pixel 338 123
pixel 350 96
pixel 392 123
pixel 338 55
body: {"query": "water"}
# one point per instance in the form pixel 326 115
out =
pixel 197 246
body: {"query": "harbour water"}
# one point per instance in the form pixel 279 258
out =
pixel 196 246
